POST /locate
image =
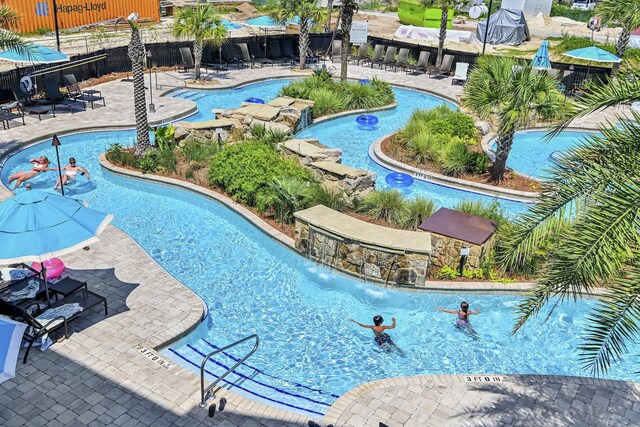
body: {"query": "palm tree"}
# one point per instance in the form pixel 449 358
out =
pixel 327 23
pixel 445 5
pixel 308 14
pixel 199 23
pixel 514 96
pixel 591 201
pixel 137 55
pixel 218 35
pixel 9 19
pixel 349 8
pixel 627 12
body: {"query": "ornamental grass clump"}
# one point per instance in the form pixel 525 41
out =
pixel 386 205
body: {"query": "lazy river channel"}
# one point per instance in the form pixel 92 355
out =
pixel 310 353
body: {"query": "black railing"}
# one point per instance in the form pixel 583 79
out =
pixel 116 60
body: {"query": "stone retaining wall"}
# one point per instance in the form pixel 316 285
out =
pixel 446 251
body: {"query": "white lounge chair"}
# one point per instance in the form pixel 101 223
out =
pixel 462 70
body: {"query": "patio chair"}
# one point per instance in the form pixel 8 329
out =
pixel 461 74
pixel 55 97
pixel 289 50
pixel 187 60
pixel 378 52
pixel 7 114
pixel 228 56
pixel 74 91
pixel 389 57
pixel 276 53
pixel 336 51
pixel 246 58
pixel 445 67
pixel 213 60
pixel 38 327
pixel 422 66
pixel 26 105
pixel 362 55
pixel 257 53
pixel 402 61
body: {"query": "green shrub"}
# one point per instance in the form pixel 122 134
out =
pixel 386 91
pixel 455 158
pixel 361 97
pixel 387 205
pixel 285 195
pixel 118 155
pixel 568 12
pixel 426 146
pixel 416 211
pixel 478 163
pixel 148 162
pixel 411 129
pixel 440 126
pixel 199 150
pixel 244 170
pixel 166 160
pixel 448 273
pixel 463 125
pixel 492 211
pixel 331 198
pixel 326 102
pixel 164 137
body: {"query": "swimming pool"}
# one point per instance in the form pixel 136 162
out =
pixel 310 353
pixel 230 25
pixel 532 153
pixel 267 21
pixel 356 146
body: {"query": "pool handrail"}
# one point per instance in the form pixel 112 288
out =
pixel 205 393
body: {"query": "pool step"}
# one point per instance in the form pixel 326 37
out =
pixel 257 384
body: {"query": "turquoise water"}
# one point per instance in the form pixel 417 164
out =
pixel 310 353
pixel 266 21
pixel 532 153
pixel 230 25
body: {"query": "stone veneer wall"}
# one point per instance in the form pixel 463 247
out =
pixel 367 261
pixel 446 251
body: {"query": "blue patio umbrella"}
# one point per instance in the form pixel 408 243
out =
pixel 10 338
pixel 541 60
pixel 34 54
pixel 36 225
pixel 593 54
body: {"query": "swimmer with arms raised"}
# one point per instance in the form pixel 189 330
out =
pixel 381 337
pixel 463 314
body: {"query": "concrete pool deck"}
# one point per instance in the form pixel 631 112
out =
pixel 100 377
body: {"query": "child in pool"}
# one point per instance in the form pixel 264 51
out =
pixel 463 314
pixel 381 337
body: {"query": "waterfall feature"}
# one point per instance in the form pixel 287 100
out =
pixel 306 118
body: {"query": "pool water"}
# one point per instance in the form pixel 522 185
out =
pixel 267 21
pixel 310 353
pixel 532 153
pixel 230 25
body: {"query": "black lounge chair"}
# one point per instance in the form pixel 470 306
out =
pixel 246 57
pixel 423 64
pixel 7 114
pixel 378 53
pixel 37 329
pixel 187 60
pixel 445 67
pixel 336 51
pixel 258 53
pixel 362 55
pixel 55 97
pixel 228 56
pixel 75 93
pixel 289 51
pixel 276 53
pixel 26 105
pixel 213 61
pixel 389 58
pixel 402 61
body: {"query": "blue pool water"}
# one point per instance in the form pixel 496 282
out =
pixel 263 21
pixel 532 153
pixel 230 25
pixel 310 352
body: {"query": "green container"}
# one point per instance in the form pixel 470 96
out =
pixel 410 12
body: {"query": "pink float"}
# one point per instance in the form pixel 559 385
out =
pixel 54 266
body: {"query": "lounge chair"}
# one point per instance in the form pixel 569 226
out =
pixel 7 114
pixel 445 67
pixel 74 91
pixel 213 60
pixel 276 53
pixel 55 97
pixel 246 57
pixel 362 55
pixel 402 61
pixel 423 64
pixel 187 60
pixel 389 57
pixel 257 53
pixel 228 56
pixel 336 51
pixel 289 50
pixel 39 327
pixel 378 52
pixel 26 105
pixel 461 74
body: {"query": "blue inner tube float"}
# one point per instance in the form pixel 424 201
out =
pixel 399 180
pixel 255 100
pixel 367 120
pixel 363 81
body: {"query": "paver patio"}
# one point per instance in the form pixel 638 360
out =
pixel 99 377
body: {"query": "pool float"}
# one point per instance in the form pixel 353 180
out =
pixel 55 267
pixel 367 120
pixel 399 179
pixel 255 100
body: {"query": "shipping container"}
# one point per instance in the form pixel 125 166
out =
pixel 38 14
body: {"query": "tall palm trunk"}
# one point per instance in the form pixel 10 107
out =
pixel 348 9
pixel 503 147
pixel 623 41
pixel 303 42
pixel 137 56
pixel 444 19
pixel 327 24
pixel 197 56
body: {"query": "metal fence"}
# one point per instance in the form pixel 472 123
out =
pixel 167 54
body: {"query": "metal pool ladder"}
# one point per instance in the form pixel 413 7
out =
pixel 205 393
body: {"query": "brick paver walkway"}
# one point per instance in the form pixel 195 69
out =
pixel 100 377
